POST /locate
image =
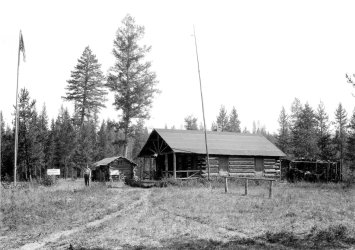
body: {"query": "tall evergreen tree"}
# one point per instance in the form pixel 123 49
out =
pixel 7 156
pixel 50 147
pixel 190 123
pixel 283 137
pixel 85 87
pixel 131 77
pixel 222 119
pixel 26 134
pixel 324 140
pixel 2 133
pixel 350 147
pixel 296 108
pixel 304 140
pixel 65 142
pixel 83 153
pixel 233 122
pixel 101 142
pixel 140 137
pixel 341 121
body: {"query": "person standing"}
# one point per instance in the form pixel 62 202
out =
pixel 87 175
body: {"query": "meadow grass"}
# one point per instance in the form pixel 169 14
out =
pixel 301 210
pixel 36 211
pixel 195 215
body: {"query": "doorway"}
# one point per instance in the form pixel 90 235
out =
pixel 259 164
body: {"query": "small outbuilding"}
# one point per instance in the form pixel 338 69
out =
pixel 113 168
pixel 182 154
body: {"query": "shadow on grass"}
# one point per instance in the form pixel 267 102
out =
pixel 334 237
pixel 196 244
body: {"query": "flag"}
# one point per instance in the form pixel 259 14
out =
pixel 22 47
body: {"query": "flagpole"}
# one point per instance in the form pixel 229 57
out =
pixel 203 109
pixel 16 116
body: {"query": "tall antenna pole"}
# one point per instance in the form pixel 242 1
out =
pixel 16 117
pixel 203 109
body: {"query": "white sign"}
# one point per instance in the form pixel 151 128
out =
pixel 53 171
pixel 223 173
pixel 114 172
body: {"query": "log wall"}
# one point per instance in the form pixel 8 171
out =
pixel 271 168
pixel 239 166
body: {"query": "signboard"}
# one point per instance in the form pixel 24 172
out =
pixel 114 172
pixel 223 173
pixel 53 171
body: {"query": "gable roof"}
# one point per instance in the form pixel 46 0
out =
pixel 107 161
pixel 219 143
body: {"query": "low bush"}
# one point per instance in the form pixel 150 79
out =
pixel 48 180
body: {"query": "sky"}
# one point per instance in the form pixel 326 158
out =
pixel 254 55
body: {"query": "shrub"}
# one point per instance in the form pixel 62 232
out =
pixel 48 180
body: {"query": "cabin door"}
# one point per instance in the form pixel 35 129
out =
pixel 223 163
pixel 259 164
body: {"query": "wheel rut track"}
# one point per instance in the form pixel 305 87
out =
pixel 52 238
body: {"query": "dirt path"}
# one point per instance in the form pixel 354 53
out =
pixel 55 237
pixel 140 224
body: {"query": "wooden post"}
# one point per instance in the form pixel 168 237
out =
pixel 142 168
pixel 270 189
pixel 246 187
pixel 226 184
pixel 150 168
pixel 280 170
pixel 166 166
pixel 174 165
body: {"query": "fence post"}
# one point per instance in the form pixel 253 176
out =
pixel 226 184
pixel 270 189
pixel 246 187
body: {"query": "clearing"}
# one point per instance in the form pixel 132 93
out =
pixel 190 215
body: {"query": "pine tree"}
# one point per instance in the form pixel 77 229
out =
pixel 190 123
pixel 65 142
pixel 324 140
pixel 86 88
pixel 304 140
pixel 233 122
pixel 283 138
pixel 296 108
pixel 2 134
pixel 341 121
pixel 140 137
pixel 222 119
pixel 7 156
pixel 26 134
pixel 350 147
pixel 83 153
pixel 131 78
pixel 101 142
pixel 50 146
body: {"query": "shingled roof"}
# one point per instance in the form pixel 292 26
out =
pixel 219 143
pixel 107 161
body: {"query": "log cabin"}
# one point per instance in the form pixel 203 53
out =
pixel 113 168
pixel 181 154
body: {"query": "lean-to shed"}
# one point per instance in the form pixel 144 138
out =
pixel 113 167
pixel 182 153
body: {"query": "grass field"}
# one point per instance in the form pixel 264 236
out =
pixel 189 215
